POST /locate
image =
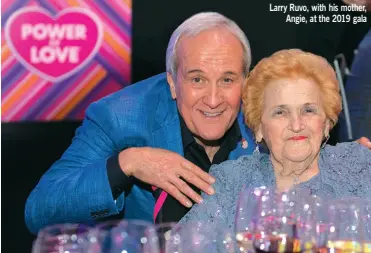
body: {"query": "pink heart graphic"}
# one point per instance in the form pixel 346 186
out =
pixel 54 47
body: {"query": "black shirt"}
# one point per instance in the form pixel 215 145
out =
pixel 172 210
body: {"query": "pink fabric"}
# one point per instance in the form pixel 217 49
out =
pixel 159 204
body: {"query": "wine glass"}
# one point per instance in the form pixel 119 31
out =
pixel 319 210
pixel 131 236
pixel 345 228
pixel 68 237
pixel 247 209
pixel 164 234
pixel 367 224
pixel 100 240
pixel 285 222
pixel 255 202
pixel 198 237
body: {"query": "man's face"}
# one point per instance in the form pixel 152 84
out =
pixel 209 82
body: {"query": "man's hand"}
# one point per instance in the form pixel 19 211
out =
pixel 166 170
pixel 365 142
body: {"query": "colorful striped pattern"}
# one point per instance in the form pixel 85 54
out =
pixel 28 97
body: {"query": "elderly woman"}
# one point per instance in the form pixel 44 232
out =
pixel 291 101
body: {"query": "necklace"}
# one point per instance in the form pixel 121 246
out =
pixel 296 180
pixel 296 177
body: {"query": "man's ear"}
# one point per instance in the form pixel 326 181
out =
pixel 171 83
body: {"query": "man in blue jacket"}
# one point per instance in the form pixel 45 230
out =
pixel 146 149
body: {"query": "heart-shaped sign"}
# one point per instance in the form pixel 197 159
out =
pixel 54 47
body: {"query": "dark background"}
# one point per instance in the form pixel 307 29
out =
pixel 29 148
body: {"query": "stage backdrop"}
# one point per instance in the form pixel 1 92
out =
pixel 58 56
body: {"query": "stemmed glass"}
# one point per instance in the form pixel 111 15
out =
pixel 164 235
pixel 198 237
pixel 129 236
pixel 100 241
pixel 345 226
pixel 247 209
pixel 268 220
pixel 72 238
pixel 367 224
pixel 285 223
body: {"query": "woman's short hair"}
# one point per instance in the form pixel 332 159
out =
pixel 290 64
pixel 202 22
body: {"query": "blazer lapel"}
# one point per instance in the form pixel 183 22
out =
pixel 167 133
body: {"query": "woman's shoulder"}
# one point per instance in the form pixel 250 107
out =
pixel 347 165
pixel 242 171
pixel 350 155
pixel 243 163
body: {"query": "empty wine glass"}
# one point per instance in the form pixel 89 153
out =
pixel 198 237
pixel 100 239
pixel 247 210
pixel 131 236
pixel 71 238
pixel 319 210
pixel 163 233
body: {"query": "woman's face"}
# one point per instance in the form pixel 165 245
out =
pixel 293 122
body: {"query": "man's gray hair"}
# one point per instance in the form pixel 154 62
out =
pixel 201 22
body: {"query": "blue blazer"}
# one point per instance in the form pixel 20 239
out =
pixel 76 187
